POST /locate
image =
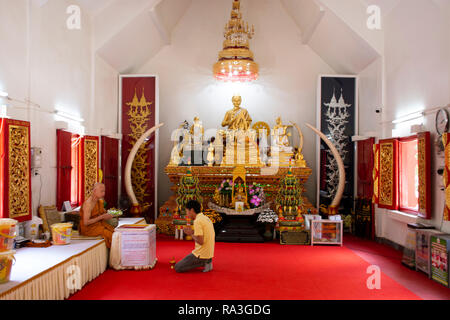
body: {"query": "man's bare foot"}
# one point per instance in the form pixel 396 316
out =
pixel 208 267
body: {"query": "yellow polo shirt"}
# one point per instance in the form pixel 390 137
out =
pixel 203 226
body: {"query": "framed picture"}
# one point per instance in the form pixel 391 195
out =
pixel 139 112
pixel 49 216
pixel 337 118
pixel 66 206
pixel 239 206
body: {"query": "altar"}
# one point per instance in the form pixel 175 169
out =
pixel 234 174
pixel 211 177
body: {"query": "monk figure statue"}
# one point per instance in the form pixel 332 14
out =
pixel 93 216
pixel 237 118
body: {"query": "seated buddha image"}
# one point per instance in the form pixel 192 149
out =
pixel 240 195
pixel 238 118
pixel 281 137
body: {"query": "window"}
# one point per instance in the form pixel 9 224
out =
pixel 408 187
pixel 68 168
pixel 74 174
pixel 404 176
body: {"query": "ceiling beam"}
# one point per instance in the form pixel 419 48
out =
pixel 309 31
pixel 163 32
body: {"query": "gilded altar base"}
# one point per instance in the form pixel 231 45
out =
pixel 211 177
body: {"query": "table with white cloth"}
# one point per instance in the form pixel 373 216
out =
pixel 133 247
pixel 56 272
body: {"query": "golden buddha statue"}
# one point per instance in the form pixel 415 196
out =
pixel 282 136
pixel 210 157
pixel 238 118
pixel 197 131
pixel 282 152
pixel 178 137
pixel 240 196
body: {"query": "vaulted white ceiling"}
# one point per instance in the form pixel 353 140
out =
pixel 337 31
pixel 128 33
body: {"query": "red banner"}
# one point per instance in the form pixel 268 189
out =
pixel 139 108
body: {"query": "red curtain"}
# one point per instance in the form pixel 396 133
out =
pixel 110 167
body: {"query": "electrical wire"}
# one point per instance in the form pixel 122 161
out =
pixel 40 189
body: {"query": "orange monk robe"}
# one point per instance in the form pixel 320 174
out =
pixel 100 228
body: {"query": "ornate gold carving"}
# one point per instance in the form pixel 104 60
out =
pixel 447 187
pixel 376 157
pixel 90 166
pixel 236 58
pixel 386 173
pixel 422 175
pixel 19 176
pixel 138 117
pixel 260 126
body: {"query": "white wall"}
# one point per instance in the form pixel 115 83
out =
pixel 287 84
pixel 44 62
pixel 417 55
pixel 106 96
pixel 370 97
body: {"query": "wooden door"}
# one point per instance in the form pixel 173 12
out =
pixel 110 167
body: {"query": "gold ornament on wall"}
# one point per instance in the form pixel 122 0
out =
pixel 138 116
pixel 90 166
pixel 19 182
pixel 386 174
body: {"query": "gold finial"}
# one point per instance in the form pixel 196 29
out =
pixel 236 60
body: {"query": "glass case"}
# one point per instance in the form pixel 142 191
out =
pixel 326 232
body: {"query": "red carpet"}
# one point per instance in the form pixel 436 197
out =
pixel 268 271
pixel 388 259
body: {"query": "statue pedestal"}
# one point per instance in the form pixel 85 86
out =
pixel 211 177
pixel 281 159
pixel 241 229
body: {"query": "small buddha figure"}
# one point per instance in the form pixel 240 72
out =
pixel 299 159
pixel 240 196
pixel 197 133
pixel 210 157
pixel 238 118
pixel 178 143
pixel 281 136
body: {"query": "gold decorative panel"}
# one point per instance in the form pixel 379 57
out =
pixel 138 116
pixel 19 171
pixel 422 174
pixel 90 166
pixel 386 186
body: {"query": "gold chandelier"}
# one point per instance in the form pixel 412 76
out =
pixel 236 60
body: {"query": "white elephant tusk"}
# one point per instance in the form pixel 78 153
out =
pixel 337 156
pixel 300 135
pixel 130 160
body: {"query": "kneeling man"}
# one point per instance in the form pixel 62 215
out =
pixel 93 216
pixel 204 237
